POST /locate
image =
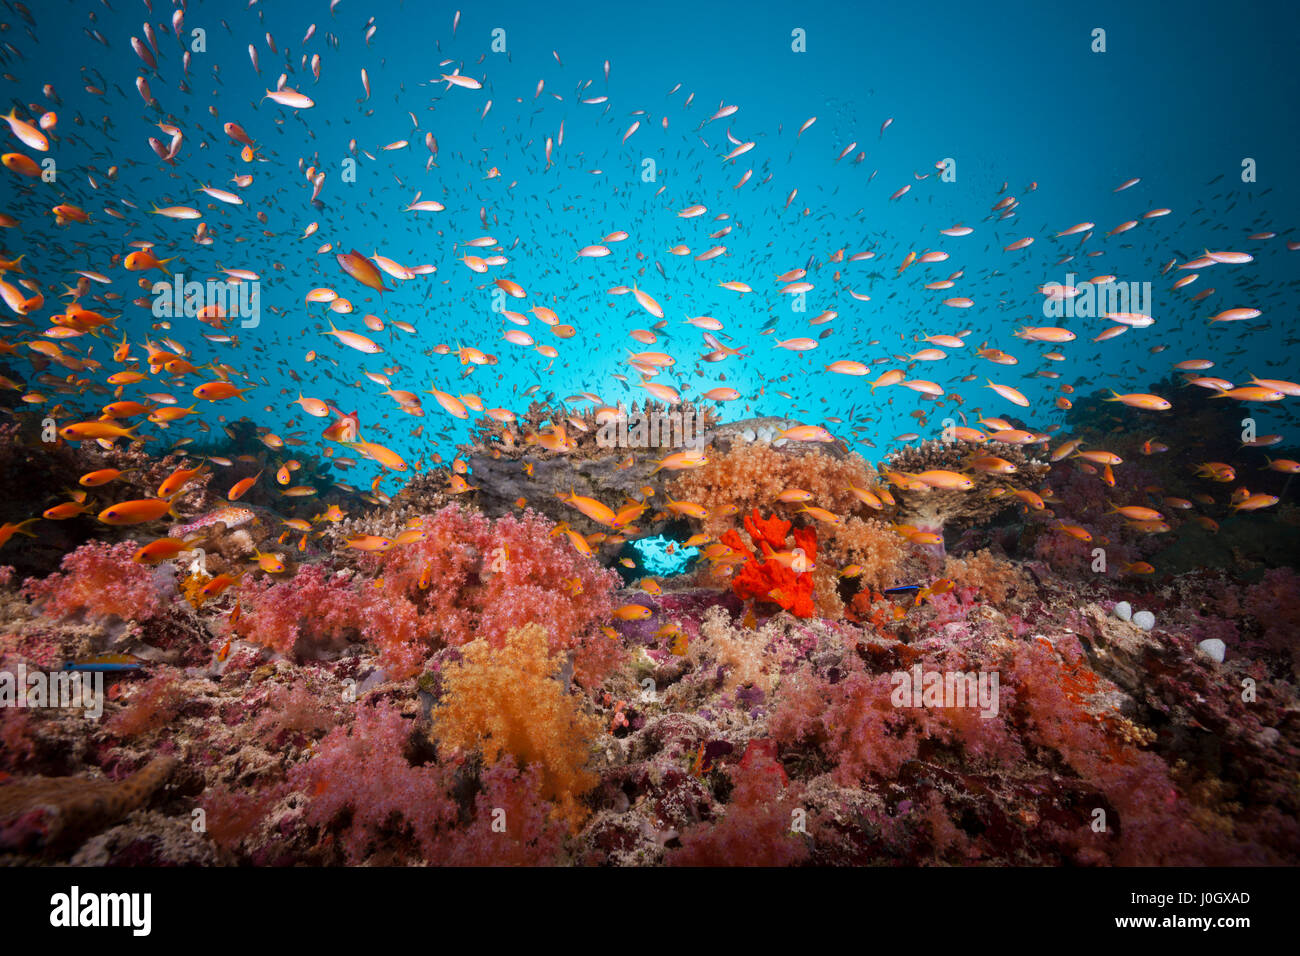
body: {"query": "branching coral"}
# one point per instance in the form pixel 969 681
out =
pixel 581 428
pixel 507 700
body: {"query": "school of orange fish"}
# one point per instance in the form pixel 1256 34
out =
pixel 74 348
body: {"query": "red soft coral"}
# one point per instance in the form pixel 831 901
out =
pixel 772 530
pixel 99 580
pixel 767 580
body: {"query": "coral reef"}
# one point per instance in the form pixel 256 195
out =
pixel 792 688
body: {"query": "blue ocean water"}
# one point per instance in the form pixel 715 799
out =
pixel 1014 93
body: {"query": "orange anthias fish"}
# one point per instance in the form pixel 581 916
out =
pixel 362 269
pixel 9 529
pixel 345 429
pixel 138 511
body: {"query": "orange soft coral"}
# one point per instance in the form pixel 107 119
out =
pixel 754 474
pixel 764 579
pixel 508 700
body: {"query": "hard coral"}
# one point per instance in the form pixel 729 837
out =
pixel 935 509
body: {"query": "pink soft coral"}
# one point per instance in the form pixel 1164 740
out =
pixel 855 722
pixel 317 610
pixel 152 705
pixel 471 577
pixel 757 829
pixel 361 773
pixel 512 826
pixel 99 580
pixel 467 577
pixel 1275 603
pixel 1154 825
